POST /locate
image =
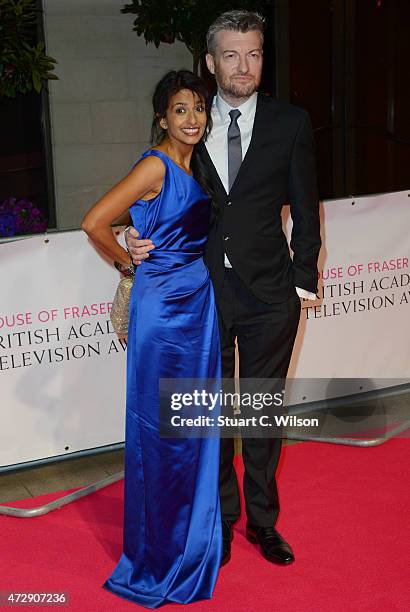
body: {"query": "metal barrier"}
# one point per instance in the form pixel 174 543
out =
pixel 376 394
pixel 353 441
pixel 300 409
pixel 62 501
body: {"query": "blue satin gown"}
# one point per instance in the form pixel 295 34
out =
pixel 172 530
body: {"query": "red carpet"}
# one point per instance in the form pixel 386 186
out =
pixel 344 510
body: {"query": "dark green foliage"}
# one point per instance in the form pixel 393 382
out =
pixel 23 64
pixel 165 21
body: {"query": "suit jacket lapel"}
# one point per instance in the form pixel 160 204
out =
pixel 259 136
pixel 203 152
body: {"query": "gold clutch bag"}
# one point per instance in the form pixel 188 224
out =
pixel 120 307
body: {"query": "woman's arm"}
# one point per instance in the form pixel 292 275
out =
pixel 144 180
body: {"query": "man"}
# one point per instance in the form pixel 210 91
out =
pixel 259 156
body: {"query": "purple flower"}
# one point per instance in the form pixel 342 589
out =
pixel 21 217
pixel 7 224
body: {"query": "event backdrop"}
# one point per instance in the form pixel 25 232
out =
pixel 358 328
pixel 62 368
pixel 62 374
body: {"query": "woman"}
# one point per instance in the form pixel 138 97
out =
pixel 172 531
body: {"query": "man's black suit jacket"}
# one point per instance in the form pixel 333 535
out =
pixel 278 169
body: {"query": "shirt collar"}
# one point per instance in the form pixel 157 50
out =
pixel 247 108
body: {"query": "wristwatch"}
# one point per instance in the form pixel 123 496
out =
pixel 125 270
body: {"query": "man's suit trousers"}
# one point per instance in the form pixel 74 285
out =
pixel 265 334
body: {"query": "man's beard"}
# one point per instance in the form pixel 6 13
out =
pixel 237 90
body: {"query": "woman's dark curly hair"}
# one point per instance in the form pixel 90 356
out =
pixel 170 84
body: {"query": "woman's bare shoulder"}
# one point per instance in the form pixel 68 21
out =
pixel 152 166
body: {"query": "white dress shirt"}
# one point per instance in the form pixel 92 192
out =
pixel 217 146
pixel 217 141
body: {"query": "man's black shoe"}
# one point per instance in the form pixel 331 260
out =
pixel 227 537
pixel 273 546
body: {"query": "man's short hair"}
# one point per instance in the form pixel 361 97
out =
pixel 237 21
